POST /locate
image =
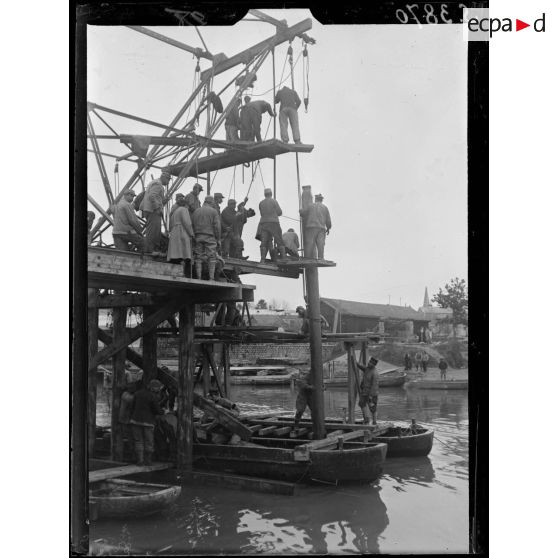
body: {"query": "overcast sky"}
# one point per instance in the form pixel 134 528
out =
pixel 387 116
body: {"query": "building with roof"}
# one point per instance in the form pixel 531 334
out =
pixel 348 316
pixel 440 319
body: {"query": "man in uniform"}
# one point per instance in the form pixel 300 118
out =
pixel 218 200
pixel 292 244
pixel 228 218
pixel 127 228
pixel 269 228
pixel 290 101
pixel 369 389
pixel 317 224
pixel 152 207
pixel 207 230
pixel 192 199
pixel 242 216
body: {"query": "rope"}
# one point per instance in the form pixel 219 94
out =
pixel 281 82
pixel 233 182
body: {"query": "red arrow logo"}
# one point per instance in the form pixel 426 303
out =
pixel 519 25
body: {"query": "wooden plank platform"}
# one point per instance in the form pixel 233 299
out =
pixel 305 262
pixel 125 470
pixel 244 267
pixel 114 269
pixel 232 157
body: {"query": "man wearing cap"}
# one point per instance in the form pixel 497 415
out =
pixel 242 216
pixel 127 228
pixel 145 409
pixel 317 223
pixel 207 230
pixel 192 199
pixel 292 244
pixel 369 390
pixel 269 228
pixel 290 101
pixel 152 207
pixel 218 200
pixel 228 218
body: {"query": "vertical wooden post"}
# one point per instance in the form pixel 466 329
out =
pixel 92 325
pixel 315 323
pixel 206 373
pixel 118 371
pixel 350 384
pixel 363 355
pixel 149 350
pixel 185 397
pixel 226 370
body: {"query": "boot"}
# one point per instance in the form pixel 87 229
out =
pixel 263 254
pixel 147 460
pixel 139 456
pixel 199 270
pixel 211 267
pixel 282 254
pixel 188 269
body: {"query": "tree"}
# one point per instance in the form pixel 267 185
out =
pixel 456 297
pixel 262 304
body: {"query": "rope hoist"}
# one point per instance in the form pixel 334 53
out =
pixel 305 77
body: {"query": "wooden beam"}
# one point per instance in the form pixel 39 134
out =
pixel 228 420
pixel 302 453
pixel 118 375
pixel 121 300
pixel 116 472
pixel 130 336
pixel 247 55
pixel 185 385
pixel 149 349
pixel 92 327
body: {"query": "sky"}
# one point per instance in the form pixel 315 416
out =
pixel 387 116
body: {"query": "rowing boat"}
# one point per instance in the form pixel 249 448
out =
pixel 435 384
pixel 404 442
pixel 392 378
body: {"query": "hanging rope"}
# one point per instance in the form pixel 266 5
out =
pixel 116 178
pixel 233 184
pixel 305 77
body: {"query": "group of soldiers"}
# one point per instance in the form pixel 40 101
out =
pixel 202 234
pixel 244 121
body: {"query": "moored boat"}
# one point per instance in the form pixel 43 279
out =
pixel 392 378
pixel 406 442
pixel 124 498
pixel 438 384
pixel 269 380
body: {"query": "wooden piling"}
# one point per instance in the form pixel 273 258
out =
pixel 118 381
pixel 351 378
pixel 315 327
pixel 185 398
pixel 92 327
pixel 149 350
pixel 226 370
pixel 205 371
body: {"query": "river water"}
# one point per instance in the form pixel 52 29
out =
pixel 418 505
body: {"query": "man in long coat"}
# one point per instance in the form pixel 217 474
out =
pixel 152 207
pixel 180 238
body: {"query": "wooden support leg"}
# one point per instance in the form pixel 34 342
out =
pixel 92 325
pixel 206 373
pixel 185 398
pixel 149 351
pixel 118 374
pixel 226 370
pixel 350 384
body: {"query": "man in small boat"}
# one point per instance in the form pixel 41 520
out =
pixel 145 409
pixel 369 390
pixel 443 366
pixel 303 397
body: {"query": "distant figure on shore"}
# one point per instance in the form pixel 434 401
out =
pixel 424 359
pixel 443 366
pixel 418 361
pixel 124 416
pixel 145 409
pixel 292 244
pixel 369 390
pixel 408 361
pixel 304 396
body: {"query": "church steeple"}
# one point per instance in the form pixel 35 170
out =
pixel 426 298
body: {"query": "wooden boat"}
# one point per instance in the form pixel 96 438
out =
pixel 435 384
pixel 269 380
pixel 279 459
pixel 401 442
pixel 125 498
pixel 391 378
pixel 262 370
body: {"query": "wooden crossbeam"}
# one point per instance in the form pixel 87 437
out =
pixel 282 431
pixel 267 430
pixel 140 330
pixel 120 301
pixel 299 432
pixel 302 453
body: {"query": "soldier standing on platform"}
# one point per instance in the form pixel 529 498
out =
pixel 207 230
pixel 242 216
pixel 269 229
pixel 228 218
pixel 261 107
pixel 232 123
pixel 193 199
pixel 152 207
pixel 218 200
pixel 317 222
pixel 180 238
pixel 250 119
pixel 288 112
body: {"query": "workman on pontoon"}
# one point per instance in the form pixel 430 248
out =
pixel 304 396
pixel 127 228
pixel 369 390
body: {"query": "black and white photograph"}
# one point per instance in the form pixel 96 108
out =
pixel 278 232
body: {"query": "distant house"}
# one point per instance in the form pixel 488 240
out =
pixel 439 319
pixel 347 316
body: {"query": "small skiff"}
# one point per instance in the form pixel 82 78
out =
pixel 125 498
pixel 404 442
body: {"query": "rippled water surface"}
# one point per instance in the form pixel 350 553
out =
pixel 418 505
